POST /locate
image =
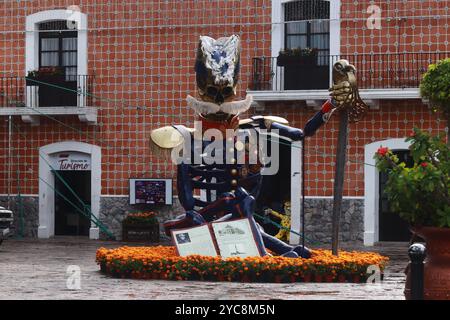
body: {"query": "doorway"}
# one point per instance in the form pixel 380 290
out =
pixel 391 226
pixel 68 220
pixel 58 53
pixel 275 197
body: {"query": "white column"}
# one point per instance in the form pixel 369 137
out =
pixel 277 41
pixel 296 191
pixel 46 198
pixel 32 96
pixel 335 33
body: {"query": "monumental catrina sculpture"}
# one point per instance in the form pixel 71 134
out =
pixel 216 179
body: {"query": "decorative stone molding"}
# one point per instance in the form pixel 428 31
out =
pixel 47 183
pixel 371 186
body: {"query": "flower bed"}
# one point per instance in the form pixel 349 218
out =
pixel 163 263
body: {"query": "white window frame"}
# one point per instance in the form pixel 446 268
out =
pixel 372 186
pixel 32 43
pixel 32 36
pixel 278 30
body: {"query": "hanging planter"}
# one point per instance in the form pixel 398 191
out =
pixel 297 57
pixel 46 76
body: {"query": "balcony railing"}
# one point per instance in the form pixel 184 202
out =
pixel 374 71
pixel 52 91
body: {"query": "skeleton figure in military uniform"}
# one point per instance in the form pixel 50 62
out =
pixel 226 188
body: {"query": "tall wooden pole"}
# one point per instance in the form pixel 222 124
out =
pixel 339 178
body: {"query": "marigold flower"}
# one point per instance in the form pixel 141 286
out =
pixel 163 262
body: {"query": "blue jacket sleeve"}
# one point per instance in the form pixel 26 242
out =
pixel 314 123
pixel 288 132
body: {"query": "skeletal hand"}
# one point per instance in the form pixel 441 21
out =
pixel 341 93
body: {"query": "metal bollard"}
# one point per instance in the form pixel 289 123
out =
pixel 417 254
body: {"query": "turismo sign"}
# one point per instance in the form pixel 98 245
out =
pixel 72 161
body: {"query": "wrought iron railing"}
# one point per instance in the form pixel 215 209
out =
pixel 49 91
pixel 374 71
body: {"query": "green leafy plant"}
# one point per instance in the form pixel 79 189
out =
pixel 45 72
pixel 435 87
pixel 421 194
pixel 141 218
pixel 298 52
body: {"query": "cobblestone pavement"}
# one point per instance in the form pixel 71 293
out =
pixel 36 269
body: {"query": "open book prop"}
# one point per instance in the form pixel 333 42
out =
pixel 234 238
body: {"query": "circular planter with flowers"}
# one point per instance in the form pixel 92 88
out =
pixel 162 262
pixel 421 196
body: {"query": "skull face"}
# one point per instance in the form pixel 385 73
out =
pixel 217 68
pixel 218 94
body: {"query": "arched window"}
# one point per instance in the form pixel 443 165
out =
pixel 70 53
pixel 58 47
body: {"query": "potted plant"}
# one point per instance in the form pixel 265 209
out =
pixel 301 69
pixel 52 87
pixel 297 56
pixel 435 87
pixel 421 196
pixel 47 75
pixel 140 226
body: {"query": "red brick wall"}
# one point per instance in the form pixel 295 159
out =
pixel 142 54
pixel 406 26
pixel 394 119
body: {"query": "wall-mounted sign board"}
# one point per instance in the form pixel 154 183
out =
pixel 150 191
pixel 71 161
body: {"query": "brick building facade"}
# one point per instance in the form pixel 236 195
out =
pixel 128 67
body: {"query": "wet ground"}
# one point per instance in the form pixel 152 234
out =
pixel 38 269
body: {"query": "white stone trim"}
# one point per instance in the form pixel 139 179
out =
pixel 304 95
pixel 31 115
pixel 371 186
pixel 277 37
pixel 32 36
pixel 47 194
pixel 296 191
pixel 335 32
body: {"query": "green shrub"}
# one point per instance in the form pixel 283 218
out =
pixel 421 194
pixel 435 87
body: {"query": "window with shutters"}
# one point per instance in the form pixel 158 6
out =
pixel 307 25
pixel 58 48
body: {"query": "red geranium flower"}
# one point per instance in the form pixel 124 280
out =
pixel 382 151
pixel 424 164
